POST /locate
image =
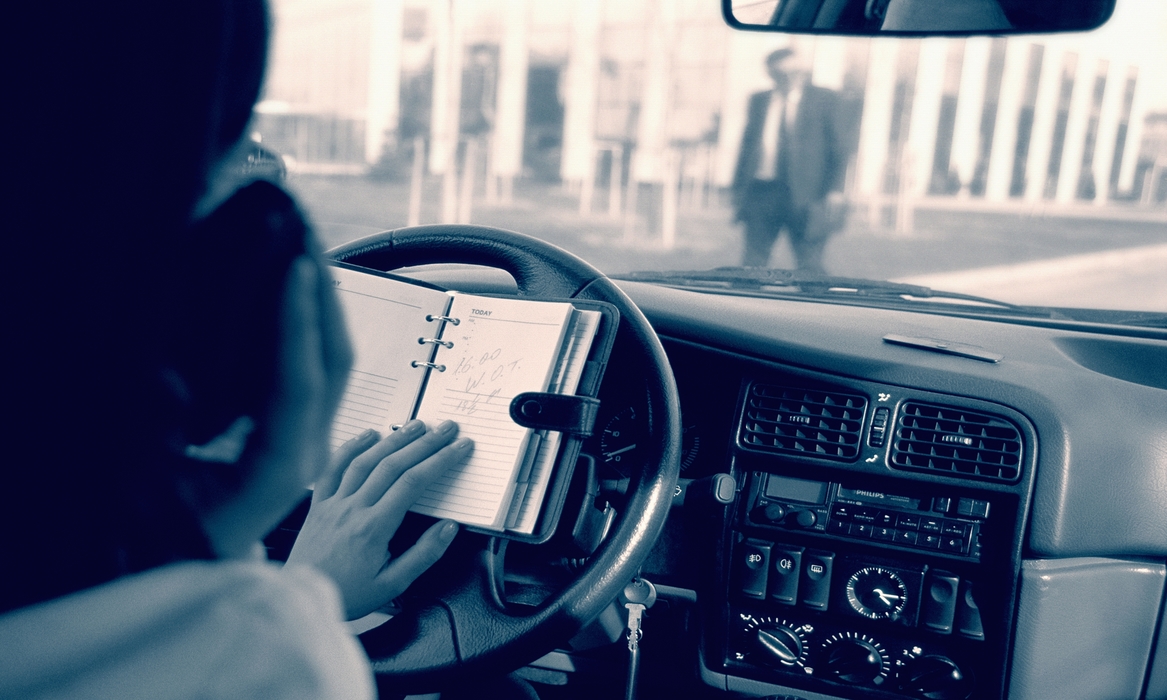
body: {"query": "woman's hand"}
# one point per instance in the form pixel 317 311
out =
pixel 360 501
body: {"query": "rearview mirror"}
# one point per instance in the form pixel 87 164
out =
pixel 917 17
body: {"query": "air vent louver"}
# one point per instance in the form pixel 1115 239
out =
pixel 801 421
pixel 957 442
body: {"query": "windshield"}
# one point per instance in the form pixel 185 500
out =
pixel 644 135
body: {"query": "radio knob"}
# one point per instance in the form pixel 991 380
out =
pixel 771 512
pixel 779 644
pixel 936 678
pixel 855 661
pixel 806 518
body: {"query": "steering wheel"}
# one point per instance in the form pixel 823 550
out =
pixel 461 627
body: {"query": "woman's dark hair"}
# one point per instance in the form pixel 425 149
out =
pixel 121 349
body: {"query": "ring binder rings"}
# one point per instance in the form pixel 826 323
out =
pixel 493 348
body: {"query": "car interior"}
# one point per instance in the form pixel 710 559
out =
pixel 858 494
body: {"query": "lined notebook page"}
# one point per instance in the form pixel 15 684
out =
pixel 571 371
pixel 502 347
pixel 385 317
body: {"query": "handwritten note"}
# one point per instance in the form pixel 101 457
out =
pixel 501 348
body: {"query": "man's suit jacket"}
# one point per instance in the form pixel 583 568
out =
pixel 815 159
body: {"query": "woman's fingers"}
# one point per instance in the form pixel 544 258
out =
pixel 404 570
pixel 329 482
pixel 363 464
pixel 407 488
pixel 393 466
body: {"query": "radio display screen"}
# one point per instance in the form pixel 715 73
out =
pixel 800 490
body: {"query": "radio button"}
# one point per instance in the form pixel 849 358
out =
pixel 842 512
pixel 861 530
pixel 839 527
pixel 929 541
pixel 883 533
pixel 954 529
pixel 885 519
pixel 952 544
pixel 941 504
pixel 906 537
pixel 865 515
pixel 908 522
pixel 932 525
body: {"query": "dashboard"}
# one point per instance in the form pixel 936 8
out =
pixel 907 522
pixel 908 505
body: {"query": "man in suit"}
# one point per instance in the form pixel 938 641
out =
pixel 791 157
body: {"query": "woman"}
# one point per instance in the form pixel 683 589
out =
pixel 175 360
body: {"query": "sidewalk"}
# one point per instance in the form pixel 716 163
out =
pixel 1133 279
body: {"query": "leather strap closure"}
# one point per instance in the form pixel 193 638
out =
pixel 565 413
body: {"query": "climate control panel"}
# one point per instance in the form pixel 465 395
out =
pixel 832 652
pixel 836 653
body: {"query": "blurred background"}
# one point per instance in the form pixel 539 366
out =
pixel 611 128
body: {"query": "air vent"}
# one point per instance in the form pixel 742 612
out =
pixel 956 442
pixel 801 421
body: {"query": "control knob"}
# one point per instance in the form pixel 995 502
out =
pixel 936 678
pixel 805 518
pixel 856 660
pixel 769 513
pixel 778 643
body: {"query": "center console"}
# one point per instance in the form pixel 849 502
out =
pixel 873 547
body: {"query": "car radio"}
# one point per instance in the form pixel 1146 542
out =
pixel 937 522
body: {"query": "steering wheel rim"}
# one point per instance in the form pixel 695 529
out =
pixel 464 628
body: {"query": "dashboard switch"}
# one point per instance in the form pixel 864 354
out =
pixel 787 567
pixel 939 606
pixel 815 585
pixel 878 433
pixel 972 508
pixel 968 615
pixel 753 563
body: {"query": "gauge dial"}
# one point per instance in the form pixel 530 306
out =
pixel 625 436
pixel 877 593
pixel 690 443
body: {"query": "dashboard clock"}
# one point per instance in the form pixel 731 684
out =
pixel 877 593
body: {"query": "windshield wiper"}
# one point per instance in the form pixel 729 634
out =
pixel 781 281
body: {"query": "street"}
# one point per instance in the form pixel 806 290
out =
pixel 1075 260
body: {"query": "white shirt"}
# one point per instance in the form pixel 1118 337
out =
pixel 771 133
pixel 208 630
